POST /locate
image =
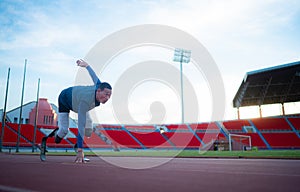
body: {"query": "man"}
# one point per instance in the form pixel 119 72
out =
pixel 81 99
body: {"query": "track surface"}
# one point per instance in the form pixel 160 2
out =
pixel 27 173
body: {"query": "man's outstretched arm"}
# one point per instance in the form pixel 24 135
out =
pixel 82 109
pixel 93 75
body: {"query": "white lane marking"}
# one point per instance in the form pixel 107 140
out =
pixel 13 189
pixel 237 172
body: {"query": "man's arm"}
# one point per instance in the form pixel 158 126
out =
pixel 82 109
pixel 93 75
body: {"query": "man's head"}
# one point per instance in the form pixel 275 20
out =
pixel 103 93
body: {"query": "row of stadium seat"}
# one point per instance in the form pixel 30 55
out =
pixel 176 136
pixel 265 124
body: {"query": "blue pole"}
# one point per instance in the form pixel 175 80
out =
pixel 21 107
pixel 36 115
pixel 4 111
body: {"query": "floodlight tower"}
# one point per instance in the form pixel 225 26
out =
pixel 182 56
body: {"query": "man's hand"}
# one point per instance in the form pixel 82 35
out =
pixel 80 156
pixel 82 63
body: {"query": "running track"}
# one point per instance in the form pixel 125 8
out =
pixel 27 173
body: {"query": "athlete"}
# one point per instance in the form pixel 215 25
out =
pixel 81 99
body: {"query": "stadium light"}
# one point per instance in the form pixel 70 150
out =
pixel 182 56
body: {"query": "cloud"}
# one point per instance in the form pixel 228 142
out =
pixel 240 35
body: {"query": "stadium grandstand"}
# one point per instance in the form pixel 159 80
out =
pixel 279 84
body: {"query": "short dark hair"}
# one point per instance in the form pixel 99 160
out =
pixel 104 85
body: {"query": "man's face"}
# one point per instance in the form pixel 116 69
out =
pixel 103 95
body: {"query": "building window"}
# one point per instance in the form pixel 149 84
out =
pixel 45 120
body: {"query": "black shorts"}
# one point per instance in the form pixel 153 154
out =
pixel 65 101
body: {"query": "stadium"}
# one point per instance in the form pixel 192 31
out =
pixel 205 95
pixel 152 154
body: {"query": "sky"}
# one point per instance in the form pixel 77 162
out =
pixel 240 36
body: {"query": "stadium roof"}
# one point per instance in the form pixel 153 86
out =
pixel 279 84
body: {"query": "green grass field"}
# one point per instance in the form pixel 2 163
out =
pixel 215 154
pixel 280 154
